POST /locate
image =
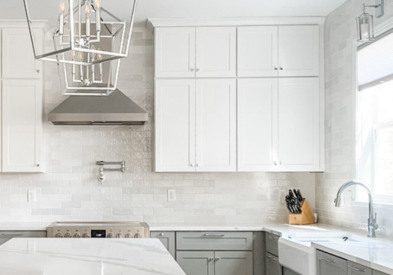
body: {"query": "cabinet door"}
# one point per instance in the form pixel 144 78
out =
pixel 273 266
pixel 18 55
pixel 286 271
pixel 376 272
pixel 233 263
pixel 357 269
pixel 175 125
pixel 299 50
pixel 257 99
pixel 257 51
pixel 22 125
pixel 328 264
pixel 175 52
pixel 216 125
pixel 167 239
pixel 298 124
pixel 196 262
pixel 216 52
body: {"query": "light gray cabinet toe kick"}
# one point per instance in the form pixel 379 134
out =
pixel 214 241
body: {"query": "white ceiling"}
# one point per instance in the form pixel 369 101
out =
pixel 13 9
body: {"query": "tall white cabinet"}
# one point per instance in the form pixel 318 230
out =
pixel 21 100
pixel 239 95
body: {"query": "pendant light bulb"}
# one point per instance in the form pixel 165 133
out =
pixel 87 9
pixel 62 7
pixel 97 4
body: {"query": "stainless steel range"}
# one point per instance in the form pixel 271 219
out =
pixel 98 230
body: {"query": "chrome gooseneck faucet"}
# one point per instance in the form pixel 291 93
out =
pixel 372 220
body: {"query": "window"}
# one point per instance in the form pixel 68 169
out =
pixel 375 118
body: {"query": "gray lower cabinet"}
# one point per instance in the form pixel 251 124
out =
pixel 287 271
pixel 196 262
pixel 376 272
pixel 328 264
pixel 273 266
pixel 215 262
pixel 8 235
pixel 357 269
pixel 167 238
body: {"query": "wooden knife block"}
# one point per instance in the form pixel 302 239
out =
pixel 306 217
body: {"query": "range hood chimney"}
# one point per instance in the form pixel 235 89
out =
pixel 115 109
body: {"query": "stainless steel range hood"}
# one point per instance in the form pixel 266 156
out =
pixel 115 109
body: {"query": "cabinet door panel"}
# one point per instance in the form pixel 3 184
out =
pixel 256 107
pixel 196 263
pixel 175 52
pixel 216 125
pixel 216 52
pixel 376 272
pixel 233 263
pixel 328 264
pixel 357 269
pixel 298 124
pixel 273 266
pixel 22 125
pixel 257 51
pixel 167 239
pixel 299 50
pixel 18 56
pixel 175 125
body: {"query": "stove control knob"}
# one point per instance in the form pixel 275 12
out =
pixel 85 235
pixel 137 235
pixel 77 235
pixel 119 235
pixel 110 235
pixel 68 235
pixel 59 235
pixel 129 235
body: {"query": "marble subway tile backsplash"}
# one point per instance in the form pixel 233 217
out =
pixel 69 190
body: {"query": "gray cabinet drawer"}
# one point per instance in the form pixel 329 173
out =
pixel 358 269
pixel 167 239
pixel 273 266
pixel 214 240
pixel 328 264
pixel 287 271
pixel 8 235
pixel 272 243
pixel 376 272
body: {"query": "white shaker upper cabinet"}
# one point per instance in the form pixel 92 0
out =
pixel 175 125
pixel 17 53
pixel 175 52
pixel 299 124
pixel 22 126
pixel 216 125
pixel 257 120
pixel 216 52
pixel 299 52
pixel 258 51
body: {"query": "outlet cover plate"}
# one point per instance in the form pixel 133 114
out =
pixel 171 195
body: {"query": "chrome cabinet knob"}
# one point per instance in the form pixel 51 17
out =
pixel 162 234
pixel 281 68
pixel 192 165
pixel 59 235
pixel 38 71
pixel 197 165
pixel 192 70
pixel 77 235
pixel 197 70
pixel 110 235
pixel 86 235
pixel 275 68
pixel 128 236
pixel 275 163
pixel 137 236
pixel 68 235
pixel 210 259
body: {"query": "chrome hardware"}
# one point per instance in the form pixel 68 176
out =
pixel 59 235
pixel 275 68
pixel 328 260
pixel 217 259
pixel 68 235
pixel 38 165
pixel 214 235
pixel 273 237
pixel 119 235
pixel 38 71
pixel 357 269
pixel 101 176
pixel 280 162
pixel 77 235
pixel 271 258
pixel 192 165
pixel 275 163
pixel 281 68
pixel 197 70
pixel 137 236
pixel 197 165
pixel 162 234
pixel 192 70
pixel 210 259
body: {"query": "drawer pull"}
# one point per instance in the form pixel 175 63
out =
pixel 271 258
pixel 217 259
pixel 273 238
pixel 214 235
pixel 328 260
pixel 357 269
pixel 11 235
pixel 210 259
pixel 162 234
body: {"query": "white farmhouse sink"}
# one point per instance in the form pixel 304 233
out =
pixel 296 253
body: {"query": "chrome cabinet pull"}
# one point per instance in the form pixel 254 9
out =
pixel 273 238
pixel 217 259
pixel 357 269
pixel 191 70
pixel 38 71
pixel 281 69
pixel 214 235
pixel 210 259
pixel 328 260
pixel 197 70
pixel 271 258
pixel 162 234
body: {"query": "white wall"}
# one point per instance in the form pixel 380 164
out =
pixel 69 189
pixel 340 121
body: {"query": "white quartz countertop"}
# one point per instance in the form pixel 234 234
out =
pixel 33 256
pixel 204 227
pixel 23 226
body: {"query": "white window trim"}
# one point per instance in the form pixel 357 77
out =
pixel 378 30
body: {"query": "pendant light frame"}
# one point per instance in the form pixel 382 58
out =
pixel 365 22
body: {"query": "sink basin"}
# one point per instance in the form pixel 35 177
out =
pixel 296 253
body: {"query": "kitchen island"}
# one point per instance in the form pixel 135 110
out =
pixel 50 256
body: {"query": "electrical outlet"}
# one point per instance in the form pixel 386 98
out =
pixel 171 195
pixel 31 196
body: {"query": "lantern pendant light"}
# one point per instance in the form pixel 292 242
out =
pixel 365 22
pixel 88 42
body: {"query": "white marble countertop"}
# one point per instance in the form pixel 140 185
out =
pixel 33 256
pixel 204 227
pixel 23 226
